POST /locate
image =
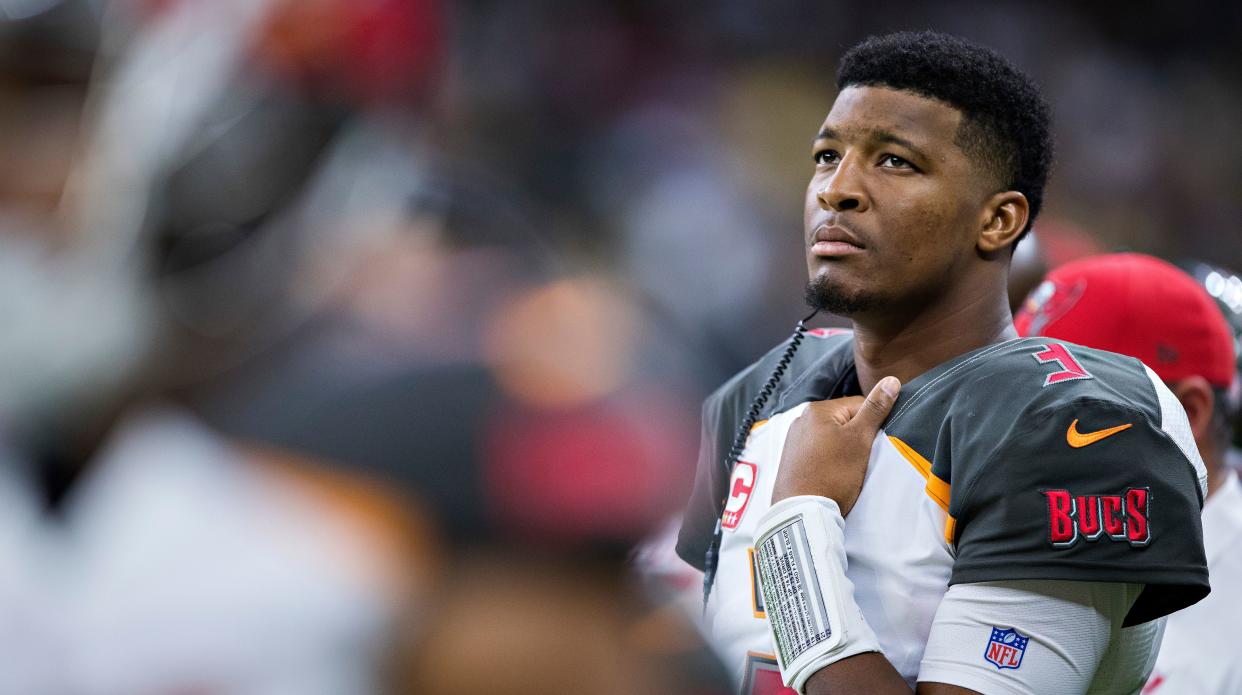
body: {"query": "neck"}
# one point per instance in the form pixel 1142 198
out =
pixel 907 344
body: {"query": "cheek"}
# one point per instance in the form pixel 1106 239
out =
pixel 933 228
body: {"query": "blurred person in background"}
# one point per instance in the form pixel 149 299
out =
pixel 144 552
pixel 302 279
pixel 459 356
pixel 516 399
pixel 1225 286
pixel 1151 310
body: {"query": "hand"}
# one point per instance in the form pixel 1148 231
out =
pixel 829 446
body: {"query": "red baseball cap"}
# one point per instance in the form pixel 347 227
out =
pixel 1135 305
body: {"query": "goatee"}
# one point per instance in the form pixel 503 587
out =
pixel 826 295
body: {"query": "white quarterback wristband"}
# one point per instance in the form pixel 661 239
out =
pixel 800 556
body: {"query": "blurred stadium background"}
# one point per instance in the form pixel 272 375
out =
pixel 460 273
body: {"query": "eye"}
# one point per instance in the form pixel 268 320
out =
pixel 827 157
pixel 892 161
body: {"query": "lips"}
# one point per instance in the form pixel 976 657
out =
pixel 832 240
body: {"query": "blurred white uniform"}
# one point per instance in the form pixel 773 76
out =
pixel 182 566
pixel 1199 655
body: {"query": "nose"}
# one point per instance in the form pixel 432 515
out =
pixel 843 189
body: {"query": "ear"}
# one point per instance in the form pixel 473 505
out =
pixel 1195 395
pixel 1004 218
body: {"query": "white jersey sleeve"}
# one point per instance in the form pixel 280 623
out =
pixel 1038 636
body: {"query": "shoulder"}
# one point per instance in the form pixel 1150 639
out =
pixel 1053 384
pixel 1019 378
pixel 1068 463
pixel 1074 397
pixel 819 353
pixel 1045 399
pixel 1049 374
pixel 1027 395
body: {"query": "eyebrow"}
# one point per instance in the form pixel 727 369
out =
pixel 879 136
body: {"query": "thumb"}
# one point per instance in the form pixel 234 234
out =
pixel 878 404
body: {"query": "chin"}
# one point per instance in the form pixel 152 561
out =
pixel 831 295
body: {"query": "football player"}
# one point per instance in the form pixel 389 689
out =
pixel 1143 307
pixel 997 514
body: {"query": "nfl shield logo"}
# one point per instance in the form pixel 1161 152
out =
pixel 1006 648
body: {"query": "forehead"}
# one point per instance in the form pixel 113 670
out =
pixel 861 113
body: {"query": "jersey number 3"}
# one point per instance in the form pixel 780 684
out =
pixel 1060 355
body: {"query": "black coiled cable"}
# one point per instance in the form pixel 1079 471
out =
pixel 739 444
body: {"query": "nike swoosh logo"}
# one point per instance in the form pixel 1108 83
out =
pixel 1078 439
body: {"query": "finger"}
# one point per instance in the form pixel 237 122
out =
pixel 838 410
pixel 879 403
pixel 846 408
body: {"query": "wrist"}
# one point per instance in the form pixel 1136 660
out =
pixel 800 554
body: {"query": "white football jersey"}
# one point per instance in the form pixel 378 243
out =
pixel 898 559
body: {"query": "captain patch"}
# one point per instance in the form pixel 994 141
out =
pixel 741 486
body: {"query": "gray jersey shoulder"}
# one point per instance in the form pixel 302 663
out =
pixel 971 408
pixel 1060 466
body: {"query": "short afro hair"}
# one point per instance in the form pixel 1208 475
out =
pixel 1005 120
